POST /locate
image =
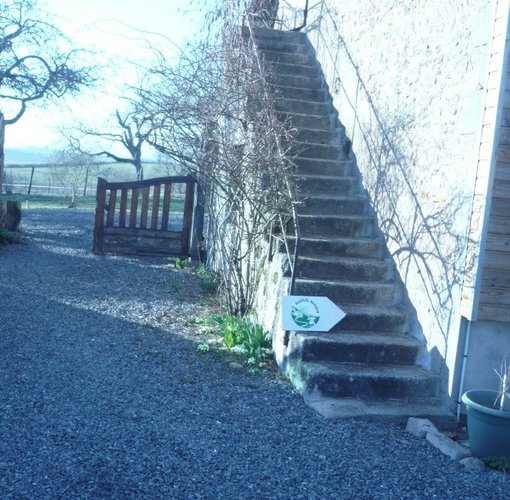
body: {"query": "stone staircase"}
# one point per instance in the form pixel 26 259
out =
pixel 367 364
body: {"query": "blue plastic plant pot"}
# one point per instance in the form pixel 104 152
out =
pixel 488 426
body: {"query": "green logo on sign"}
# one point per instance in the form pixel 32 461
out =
pixel 305 313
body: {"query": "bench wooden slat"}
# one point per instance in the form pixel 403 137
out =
pixel 123 207
pixel 166 207
pixel 111 207
pixel 134 207
pixel 155 206
pixel 145 207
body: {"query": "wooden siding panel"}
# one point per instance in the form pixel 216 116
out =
pixel 498 244
pixel 497 260
pixel 499 224
pixel 502 172
pixel 493 313
pixel 500 207
pixel 505 117
pixel 495 286
pixel 501 189
pixel 490 271
pixel 504 135
pixel 503 154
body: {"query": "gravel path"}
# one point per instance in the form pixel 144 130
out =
pixel 103 395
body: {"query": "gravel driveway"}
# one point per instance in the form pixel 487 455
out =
pixel 103 395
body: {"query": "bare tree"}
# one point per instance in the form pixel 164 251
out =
pixel 36 63
pixel 214 113
pixel 72 169
pixel 133 130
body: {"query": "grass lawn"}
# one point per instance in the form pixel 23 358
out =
pixel 62 201
pixel 50 200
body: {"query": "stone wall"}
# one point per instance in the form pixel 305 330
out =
pixel 408 79
pixel 274 283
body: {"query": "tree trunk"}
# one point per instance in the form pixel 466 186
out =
pixel 2 167
pixel 86 181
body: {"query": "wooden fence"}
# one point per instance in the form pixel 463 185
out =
pixel 149 217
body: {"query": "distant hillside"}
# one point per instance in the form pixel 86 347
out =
pixel 26 155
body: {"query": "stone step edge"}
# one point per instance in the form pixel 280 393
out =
pixel 307 115
pixel 334 259
pixel 274 65
pixel 325 177
pixel 368 371
pixel 336 216
pixel 385 411
pixel 331 197
pixel 358 337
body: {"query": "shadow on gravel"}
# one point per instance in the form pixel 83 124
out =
pixel 94 403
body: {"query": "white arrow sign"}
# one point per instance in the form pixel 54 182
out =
pixel 315 314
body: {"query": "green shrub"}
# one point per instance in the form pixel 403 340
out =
pixel 209 280
pixel 500 464
pixel 244 337
pixel 8 237
pixel 181 263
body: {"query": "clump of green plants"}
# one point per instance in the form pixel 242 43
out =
pixel 244 337
pixel 203 347
pixel 8 237
pixel 501 464
pixel 209 280
pixel 181 263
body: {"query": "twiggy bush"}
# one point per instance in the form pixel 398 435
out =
pixel 214 113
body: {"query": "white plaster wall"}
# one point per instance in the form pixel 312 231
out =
pixel 410 95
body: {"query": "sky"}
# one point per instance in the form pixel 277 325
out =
pixel 111 29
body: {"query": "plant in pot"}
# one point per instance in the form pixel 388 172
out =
pixel 488 418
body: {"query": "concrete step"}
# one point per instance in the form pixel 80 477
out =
pixel 276 35
pixel 351 292
pixel 319 151
pixel 326 204
pixel 280 68
pixel 309 135
pixel 314 166
pixel 354 347
pixel 288 58
pixel 281 46
pixel 299 120
pixel 345 268
pixel 373 318
pixel 340 247
pixel 366 382
pixel 316 95
pixel 334 225
pixel 310 185
pixel 394 411
pixel 303 106
pixel 298 81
